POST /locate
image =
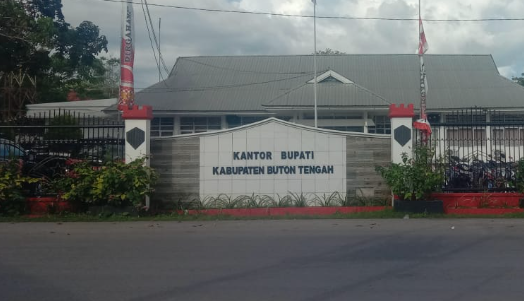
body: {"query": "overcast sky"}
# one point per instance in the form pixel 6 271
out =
pixel 196 33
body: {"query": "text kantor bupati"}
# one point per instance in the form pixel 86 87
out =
pixel 274 169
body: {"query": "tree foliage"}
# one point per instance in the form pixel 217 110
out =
pixel 519 80
pixel 115 183
pixel 12 201
pixel 329 51
pixel 416 177
pixel 36 39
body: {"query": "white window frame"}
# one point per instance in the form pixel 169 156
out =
pixel 164 127
pixel 333 74
pixel 197 127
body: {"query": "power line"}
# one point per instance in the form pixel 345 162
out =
pixel 161 58
pixel 157 61
pixel 149 35
pixel 318 17
pixel 162 90
pixel 238 70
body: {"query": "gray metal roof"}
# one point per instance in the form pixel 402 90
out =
pixel 262 83
pixel 337 92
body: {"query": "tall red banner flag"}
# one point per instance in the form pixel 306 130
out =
pixel 127 57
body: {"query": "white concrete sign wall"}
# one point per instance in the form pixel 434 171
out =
pixel 272 158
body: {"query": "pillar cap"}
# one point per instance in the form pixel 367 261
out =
pixel 137 112
pixel 401 111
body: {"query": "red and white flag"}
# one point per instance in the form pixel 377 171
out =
pixel 422 124
pixel 422 43
pixel 127 57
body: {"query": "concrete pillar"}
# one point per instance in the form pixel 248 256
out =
pixel 176 125
pixel 365 117
pixel 223 122
pixel 401 131
pixel 138 134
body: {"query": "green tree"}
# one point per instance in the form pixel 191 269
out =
pixel 519 80
pixel 111 77
pixel 36 39
pixel 329 51
pixel 26 41
pixel 99 80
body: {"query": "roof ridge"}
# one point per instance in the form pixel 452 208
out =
pixel 331 55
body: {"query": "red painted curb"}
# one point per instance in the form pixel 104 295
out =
pixel 482 211
pixel 44 205
pixel 302 211
pixel 479 200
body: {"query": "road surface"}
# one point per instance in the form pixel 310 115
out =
pixel 422 259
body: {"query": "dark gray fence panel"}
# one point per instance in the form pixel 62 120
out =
pixel 480 148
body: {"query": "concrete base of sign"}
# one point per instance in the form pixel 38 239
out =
pixel 297 211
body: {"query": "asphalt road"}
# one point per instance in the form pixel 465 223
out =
pixel 439 259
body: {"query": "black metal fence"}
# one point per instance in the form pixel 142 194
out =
pixel 46 143
pixel 480 148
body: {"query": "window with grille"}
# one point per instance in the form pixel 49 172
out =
pixel 190 125
pixel 480 136
pixel 162 126
pixel 497 136
pixel 461 137
pixel 507 136
pixel 235 121
pixel 511 136
pixel 333 116
pixel 505 118
pixel 382 125
pixel 466 118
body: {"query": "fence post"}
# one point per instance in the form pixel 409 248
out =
pixel 138 133
pixel 401 130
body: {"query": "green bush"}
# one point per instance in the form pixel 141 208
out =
pixel 115 183
pixel 519 176
pixel 415 178
pixel 12 200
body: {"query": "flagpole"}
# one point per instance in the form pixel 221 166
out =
pixel 422 68
pixel 315 56
pixel 419 17
pixel 420 56
pixel 422 123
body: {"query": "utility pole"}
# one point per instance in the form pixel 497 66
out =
pixel 315 56
pixel 159 70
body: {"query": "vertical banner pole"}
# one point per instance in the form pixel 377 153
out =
pixel 126 96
